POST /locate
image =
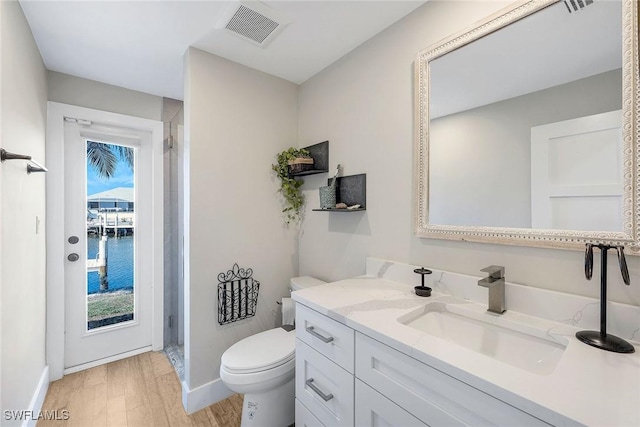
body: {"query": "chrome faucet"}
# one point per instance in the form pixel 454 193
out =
pixel 495 283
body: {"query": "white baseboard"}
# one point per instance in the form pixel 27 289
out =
pixel 204 395
pixel 35 406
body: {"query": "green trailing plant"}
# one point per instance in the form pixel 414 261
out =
pixel 289 187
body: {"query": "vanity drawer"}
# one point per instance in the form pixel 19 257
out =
pixel 435 398
pixel 323 387
pixel 373 409
pixel 304 418
pixel 331 338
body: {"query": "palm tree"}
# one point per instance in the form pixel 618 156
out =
pixel 104 157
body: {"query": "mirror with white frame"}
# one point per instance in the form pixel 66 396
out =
pixel 528 128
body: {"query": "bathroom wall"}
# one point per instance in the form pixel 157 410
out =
pixel 101 96
pixel 236 121
pixel 500 134
pixel 364 105
pixel 23 103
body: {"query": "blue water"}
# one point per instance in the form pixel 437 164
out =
pixel 119 263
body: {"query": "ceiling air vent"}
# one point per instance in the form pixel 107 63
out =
pixel 254 22
pixel 575 5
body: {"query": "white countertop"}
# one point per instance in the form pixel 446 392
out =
pixel 588 386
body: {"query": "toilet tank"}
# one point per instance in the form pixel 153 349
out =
pixel 303 282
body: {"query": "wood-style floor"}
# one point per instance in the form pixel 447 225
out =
pixel 140 391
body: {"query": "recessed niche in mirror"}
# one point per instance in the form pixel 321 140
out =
pixel 527 127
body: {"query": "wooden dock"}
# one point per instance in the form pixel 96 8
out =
pixel 111 228
pixel 95 264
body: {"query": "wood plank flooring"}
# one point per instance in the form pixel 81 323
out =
pixel 140 391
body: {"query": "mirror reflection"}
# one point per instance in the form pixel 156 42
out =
pixel 525 125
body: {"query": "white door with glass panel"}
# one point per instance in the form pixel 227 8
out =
pixel 576 174
pixel 108 247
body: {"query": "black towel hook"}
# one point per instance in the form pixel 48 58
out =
pixel 622 261
pixel 588 261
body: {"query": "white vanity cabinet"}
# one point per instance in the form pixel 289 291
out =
pixel 324 370
pixel 345 378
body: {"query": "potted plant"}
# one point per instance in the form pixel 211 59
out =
pixel 290 187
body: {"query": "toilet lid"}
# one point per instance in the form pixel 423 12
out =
pixel 259 352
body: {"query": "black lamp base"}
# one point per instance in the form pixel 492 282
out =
pixel 605 341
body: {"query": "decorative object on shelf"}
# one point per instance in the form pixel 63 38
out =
pixel 600 339
pixel 320 154
pixel 422 291
pixel 302 163
pixel 32 165
pixel 328 193
pixel 327 197
pixel 351 194
pixel 290 187
pixel 237 295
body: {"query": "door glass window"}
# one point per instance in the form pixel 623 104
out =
pixel 111 224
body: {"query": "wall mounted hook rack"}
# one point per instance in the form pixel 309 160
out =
pixel 32 166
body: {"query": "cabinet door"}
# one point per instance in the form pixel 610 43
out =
pixel 375 410
pixel 434 397
pixel 324 388
pixel 304 417
pixel 333 339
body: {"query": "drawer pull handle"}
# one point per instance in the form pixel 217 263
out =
pixel 312 386
pixel 313 332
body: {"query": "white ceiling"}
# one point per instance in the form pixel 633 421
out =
pixel 140 44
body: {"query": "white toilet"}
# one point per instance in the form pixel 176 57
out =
pixel 262 367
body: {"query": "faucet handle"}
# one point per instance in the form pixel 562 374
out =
pixel 495 271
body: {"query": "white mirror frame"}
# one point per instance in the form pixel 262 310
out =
pixel 563 239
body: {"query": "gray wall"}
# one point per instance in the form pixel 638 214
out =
pixel 23 115
pixel 492 145
pixel 236 121
pixel 364 105
pixel 101 96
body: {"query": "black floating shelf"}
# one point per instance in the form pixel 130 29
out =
pixel 339 210
pixel 309 172
pixel 320 154
pixel 350 190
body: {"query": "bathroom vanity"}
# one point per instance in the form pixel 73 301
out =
pixel 371 352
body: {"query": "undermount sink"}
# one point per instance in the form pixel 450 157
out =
pixel 534 350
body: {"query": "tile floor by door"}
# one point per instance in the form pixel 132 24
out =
pixel 139 391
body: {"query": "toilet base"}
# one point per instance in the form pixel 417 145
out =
pixel 274 408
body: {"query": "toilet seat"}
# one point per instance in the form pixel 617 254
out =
pixel 260 352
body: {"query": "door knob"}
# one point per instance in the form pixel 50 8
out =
pixel 73 257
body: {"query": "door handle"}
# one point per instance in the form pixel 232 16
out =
pixel 312 386
pixel 73 257
pixel 322 338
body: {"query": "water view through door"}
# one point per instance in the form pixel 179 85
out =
pixel 110 234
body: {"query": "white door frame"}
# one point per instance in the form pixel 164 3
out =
pixel 56 112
